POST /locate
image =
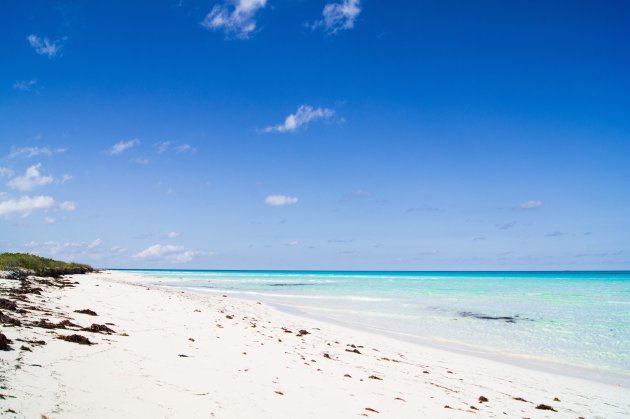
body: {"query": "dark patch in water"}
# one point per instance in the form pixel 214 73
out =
pixel 289 285
pixel 507 319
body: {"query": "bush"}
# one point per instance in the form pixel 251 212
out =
pixel 20 263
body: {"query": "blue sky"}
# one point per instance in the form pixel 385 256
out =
pixel 304 134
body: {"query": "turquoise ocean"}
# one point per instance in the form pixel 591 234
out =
pixel 567 321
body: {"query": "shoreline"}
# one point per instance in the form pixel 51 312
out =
pixel 588 373
pixel 180 354
pixel 523 360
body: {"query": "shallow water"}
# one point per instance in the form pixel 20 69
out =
pixel 575 318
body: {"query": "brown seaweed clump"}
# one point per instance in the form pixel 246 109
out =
pixel 98 328
pixel 81 340
pixel 5 343
pixel 86 311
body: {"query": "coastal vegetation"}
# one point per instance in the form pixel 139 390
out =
pixel 17 264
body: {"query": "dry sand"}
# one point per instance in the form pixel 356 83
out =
pixel 178 354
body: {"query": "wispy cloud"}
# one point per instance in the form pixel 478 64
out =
pixel 44 46
pixel 123 146
pixel 338 16
pixel 5 172
pixel 358 194
pixel 24 85
pixel 164 146
pixel 236 18
pixel 71 250
pixel 554 234
pixel 280 200
pixel 28 152
pixel 25 205
pixel 172 235
pixel 64 179
pixel 167 252
pixel 68 206
pixel 185 148
pixel 422 208
pixel 530 204
pixel 31 179
pixel 304 115
pixel 506 226
pixel 95 243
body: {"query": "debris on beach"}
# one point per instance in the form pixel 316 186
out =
pixel 545 407
pixel 8 320
pixel 46 324
pixel 303 332
pixel 5 343
pixel 32 342
pixel 81 340
pixel 7 304
pixel 483 399
pixel 86 311
pixel 98 328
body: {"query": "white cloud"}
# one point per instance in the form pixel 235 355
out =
pixel 25 205
pixel 293 243
pixel 530 204
pixel 162 146
pixel 30 179
pixel 28 152
pixel 68 206
pixel 122 146
pixel 279 200
pixel 172 235
pixel 339 16
pixel 94 244
pixel 235 17
pixel 5 172
pixel 64 179
pixel 168 253
pixel 185 148
pixel 24 85
pixel 303 116
pixel 71 250
pixel 50 220
pixel 44 46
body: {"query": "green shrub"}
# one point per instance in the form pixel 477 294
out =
pixel 40 266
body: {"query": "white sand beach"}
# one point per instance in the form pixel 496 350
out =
pixel 182 355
